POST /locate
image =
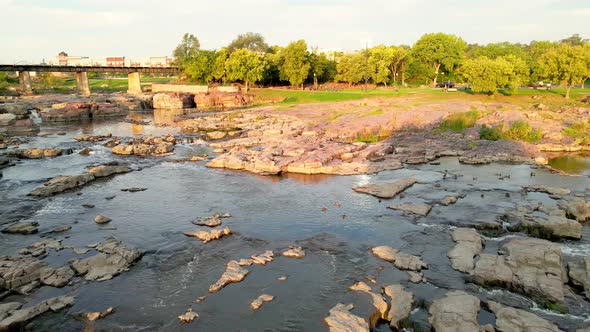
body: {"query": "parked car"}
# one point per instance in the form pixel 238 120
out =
pixel 446 84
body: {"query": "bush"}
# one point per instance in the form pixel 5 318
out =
pixel 579 131
pixel 522 131
pixel 3 81
pixel 518 131
pixel 491 133
pixel 460 121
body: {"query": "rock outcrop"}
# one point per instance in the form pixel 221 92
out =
pixel 579 273
pixel 67 182
pixel 18 317
pixel 188 316
pixel 173 100
pixel 401 260
pixel 510 319
pixel 402 302
pixel 16 272
pixel 112 259
pixel 376 299
pixel 24 228
pixel 259 301
pixel 206 236
pixel 341 320
pixel 531 266
pixel 294 252
pixel 456 312
pixel 233 273
pixel 544 222
pixel 419 209
pixel 77 111
pixel 469 244
pixel 387 190
pixel 579 210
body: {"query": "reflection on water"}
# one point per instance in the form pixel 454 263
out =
pixel 168 116
pixel 572 163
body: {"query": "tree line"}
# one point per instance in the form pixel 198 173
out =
pixel 434 57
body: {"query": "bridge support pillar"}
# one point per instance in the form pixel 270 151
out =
pixel 134 83
pixel 82 83
pixel 24 78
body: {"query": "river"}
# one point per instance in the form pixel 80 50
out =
pixel 268 213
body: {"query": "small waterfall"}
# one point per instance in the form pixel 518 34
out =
pixel 34 115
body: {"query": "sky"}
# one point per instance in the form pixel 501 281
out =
pixel 33 30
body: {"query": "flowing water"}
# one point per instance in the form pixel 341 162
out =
pixel 269 213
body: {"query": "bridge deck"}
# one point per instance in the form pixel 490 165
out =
pixel 96 69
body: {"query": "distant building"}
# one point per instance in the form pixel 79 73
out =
pixel 63 59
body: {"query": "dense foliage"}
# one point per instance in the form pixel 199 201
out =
pixel 434 57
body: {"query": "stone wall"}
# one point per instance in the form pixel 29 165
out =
pixel 181 88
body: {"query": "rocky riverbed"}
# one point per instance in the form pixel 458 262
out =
pixel 418 236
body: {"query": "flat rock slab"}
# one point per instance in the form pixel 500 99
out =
pixel 341 320
pixel 548 190
pixel 420 209
pixel 457 311
pixel 387 190
pixel 511 319
pixel 233 273
pixel 401 260
pixel 259 301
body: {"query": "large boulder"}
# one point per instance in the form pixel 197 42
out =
pixel 550 224
pixel 456 312
pixel 531 266
pixel 24 228
pixel 173 100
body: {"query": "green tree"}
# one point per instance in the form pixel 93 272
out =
pixel 187 49
pixel 495 50
pixel 535 50
pixel 566 64
pixel 351 68
pixel 439 50
pixel 486 75
pixel 399 62
pixel 218 69
pixel 200 67
pixel 245 65
pixel 323 68
pixel 295 66
pixel 274 60
pixel 380 60
pixel 574 40
pixel 250 41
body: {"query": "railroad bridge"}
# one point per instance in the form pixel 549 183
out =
pixel 81 73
